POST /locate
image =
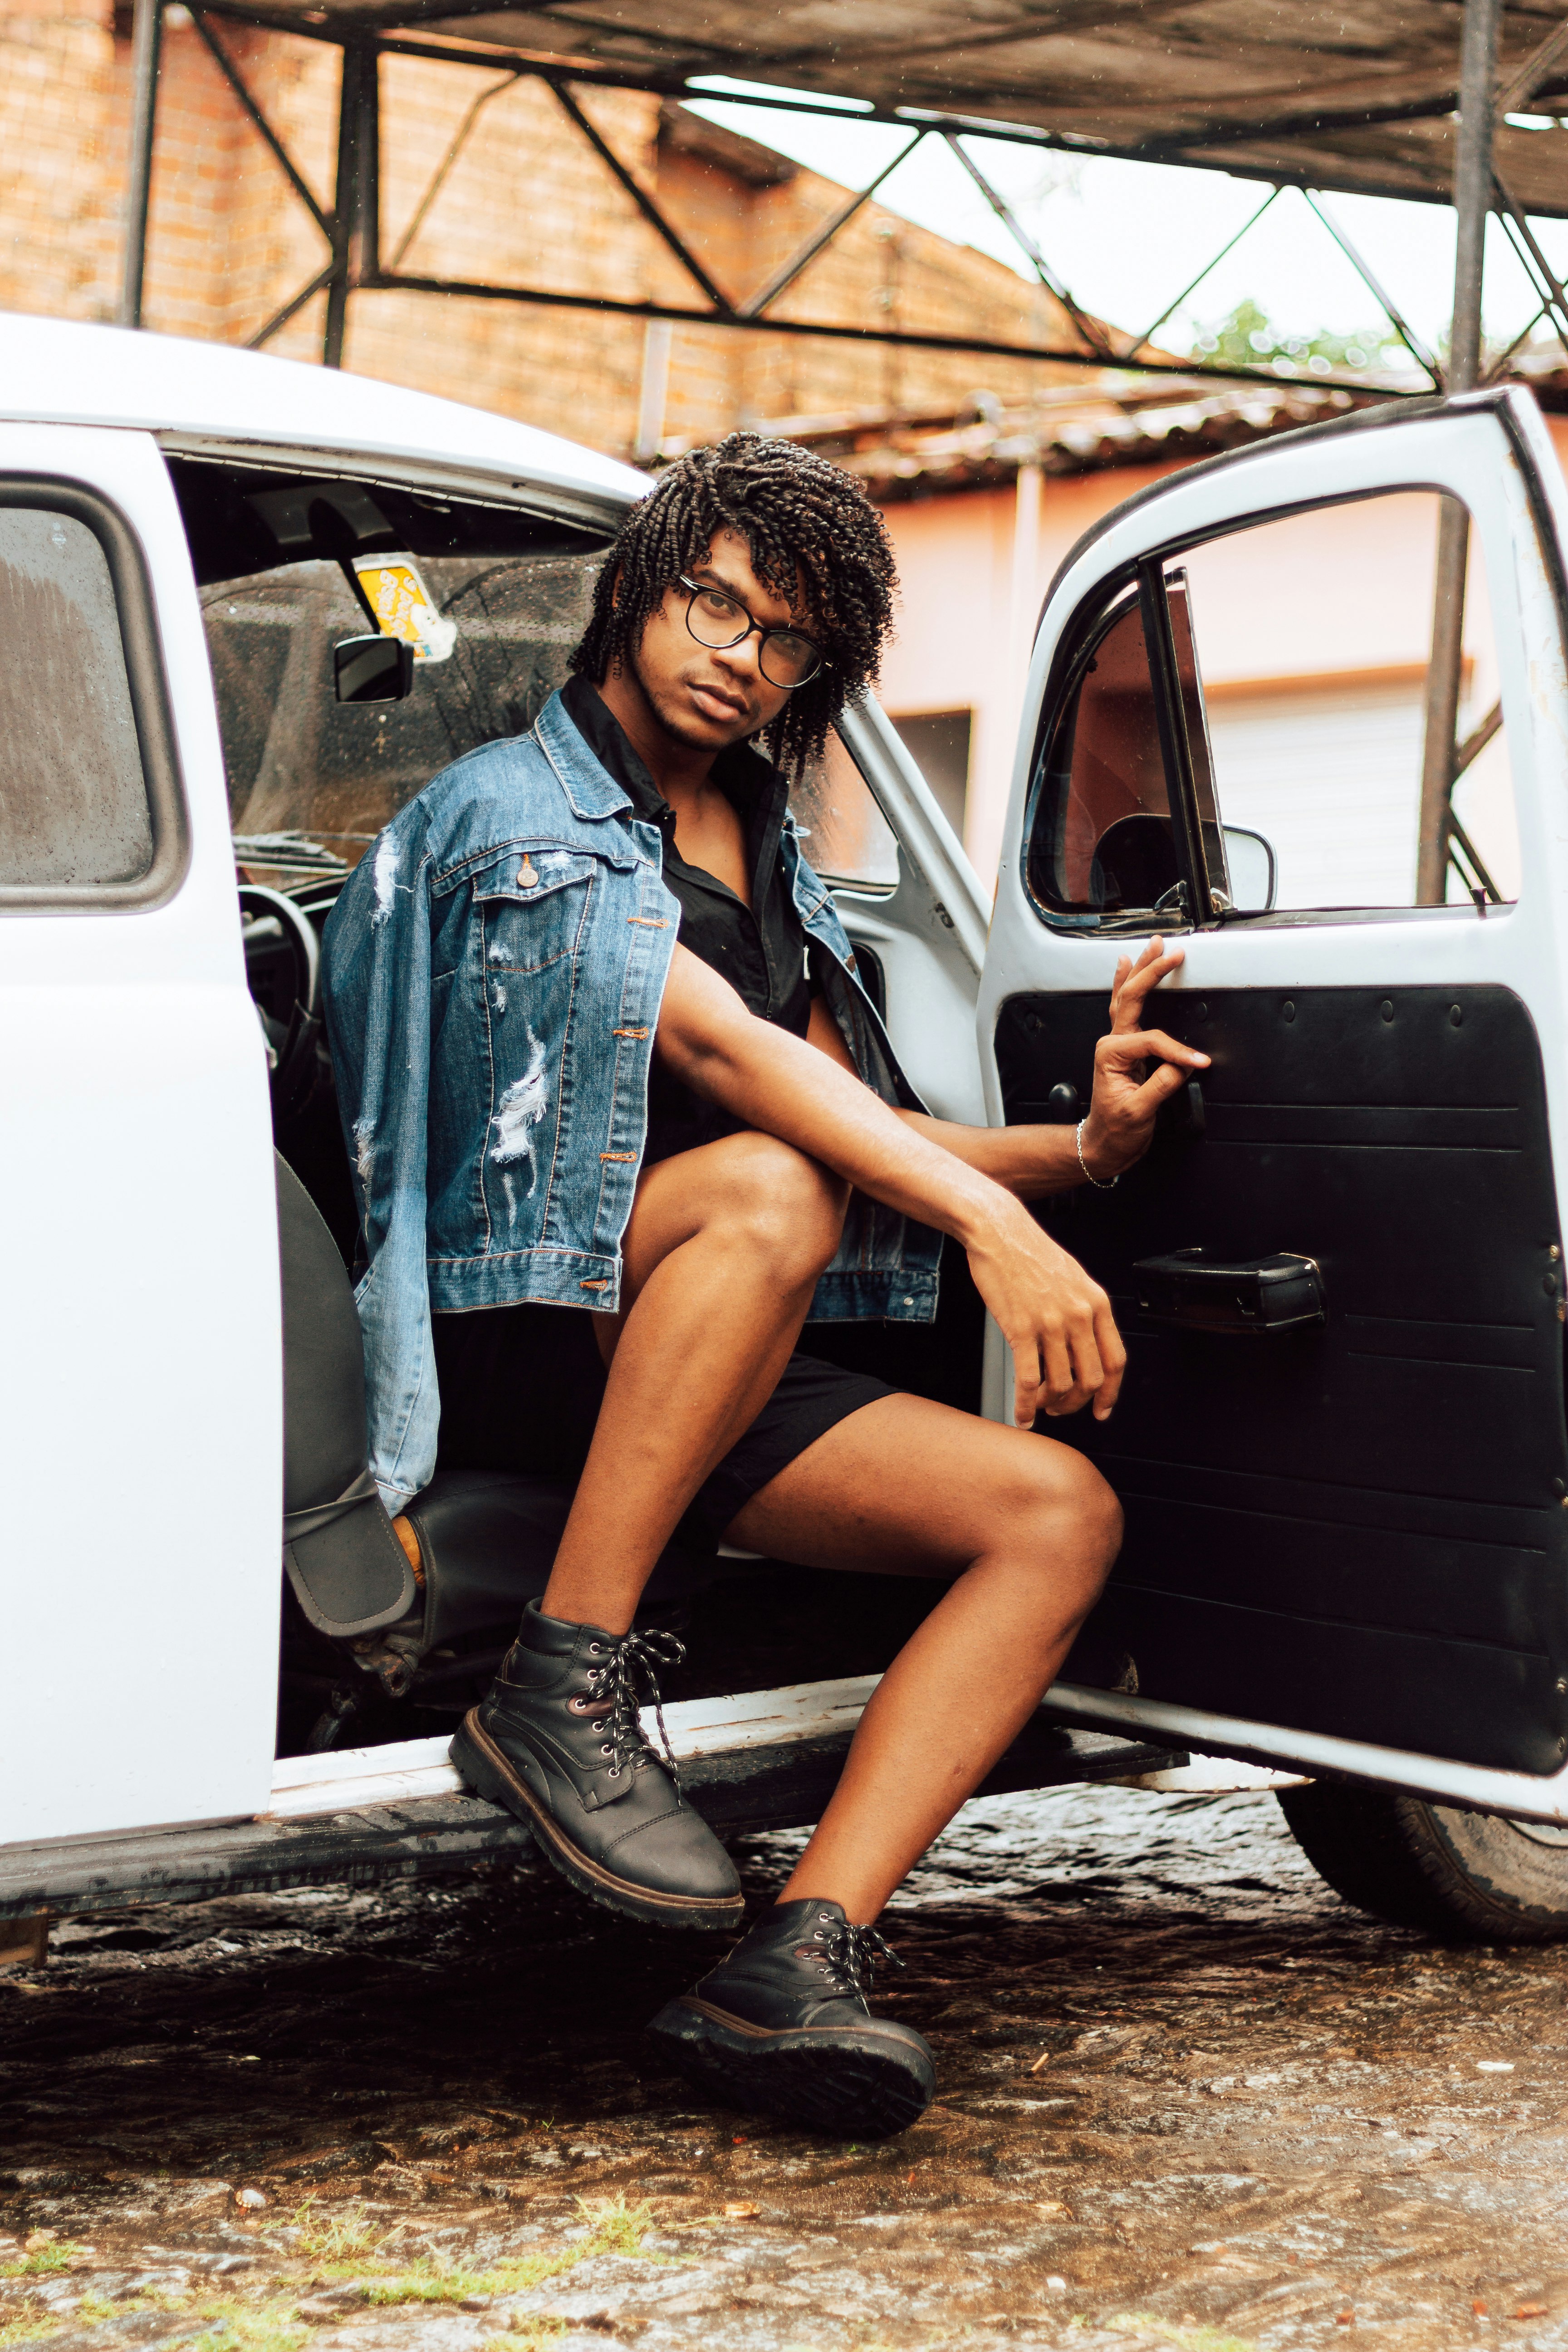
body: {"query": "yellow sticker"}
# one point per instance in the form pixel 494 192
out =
pixel 404 606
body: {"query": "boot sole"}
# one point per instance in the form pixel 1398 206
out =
pixel 488 1771
pixel 859 2086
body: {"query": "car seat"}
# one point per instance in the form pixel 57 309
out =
pixel 486 1538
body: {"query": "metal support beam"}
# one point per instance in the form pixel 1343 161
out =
pixel 1538 69
pixel 1193 283
pixel 231 74
pixel 1091 331
pixel 1511 212
pixel 755 304
pixel 281 318
pixel 443 169
pixel 356 211
pixel 146 42
pixel 1402 328
pixel 1472 205
pixel 899 339
pixel 644 201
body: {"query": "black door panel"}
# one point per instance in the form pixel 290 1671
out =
pixel 1356 1527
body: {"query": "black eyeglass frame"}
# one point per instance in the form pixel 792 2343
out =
pixel 696 588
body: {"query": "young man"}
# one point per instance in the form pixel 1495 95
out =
pixel 553 1104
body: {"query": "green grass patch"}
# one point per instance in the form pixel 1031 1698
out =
pixel 236 2329
pixel 334 2237
pixel 1188 2336
pixel 26 2330
pixel 614 2228
pixel 45 2263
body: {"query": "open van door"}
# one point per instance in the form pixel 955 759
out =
pixel 1340 1443
pixel 141 1390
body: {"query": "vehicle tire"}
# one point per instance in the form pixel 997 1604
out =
pixel 1477 1876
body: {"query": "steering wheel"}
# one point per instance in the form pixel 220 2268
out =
pixel 291 1020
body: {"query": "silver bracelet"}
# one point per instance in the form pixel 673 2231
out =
pixel 1101 1183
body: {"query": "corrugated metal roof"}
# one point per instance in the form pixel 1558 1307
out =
pixel 1340 94
pixel 1074 431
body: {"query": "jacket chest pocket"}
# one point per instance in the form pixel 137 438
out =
pixel 533 909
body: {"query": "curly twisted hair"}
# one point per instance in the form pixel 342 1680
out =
pixel 800 517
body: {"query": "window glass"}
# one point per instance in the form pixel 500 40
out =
pixel 312 781
pixel 1313 635
pixel 301 764
pixel 844 834
pixel 1100 842
pixel 939 743
pixel 1301 649
pixel 73 798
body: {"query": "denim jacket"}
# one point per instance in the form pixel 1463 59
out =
pixel 494 968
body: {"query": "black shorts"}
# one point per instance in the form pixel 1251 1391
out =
pixel 522 1386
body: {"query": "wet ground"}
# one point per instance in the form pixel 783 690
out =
pixel 1187 2098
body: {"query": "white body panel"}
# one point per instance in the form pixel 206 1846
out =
pixel 190 392
pixel 1521 947
pixel 140 1378
pixel 142 1383
pixel 352 1778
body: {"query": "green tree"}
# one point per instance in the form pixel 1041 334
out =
pixel 1248 337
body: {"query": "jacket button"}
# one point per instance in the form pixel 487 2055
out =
pixel 528 875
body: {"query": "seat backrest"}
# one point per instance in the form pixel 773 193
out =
pixel 348 1569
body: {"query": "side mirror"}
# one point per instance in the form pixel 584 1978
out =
pixel 1254 870
pixel 372 669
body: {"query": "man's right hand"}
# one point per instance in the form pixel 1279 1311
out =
pixel 1057 1321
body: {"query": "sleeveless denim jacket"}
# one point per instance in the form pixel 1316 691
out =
pixel 493 971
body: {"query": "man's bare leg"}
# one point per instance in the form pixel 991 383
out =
pixel 1027 1528
pixel 722 1256
pixel 723 1250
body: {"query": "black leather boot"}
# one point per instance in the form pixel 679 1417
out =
pixel 782 2028
pixel 558 1741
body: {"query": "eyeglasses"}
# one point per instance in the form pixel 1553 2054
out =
pixel 716 619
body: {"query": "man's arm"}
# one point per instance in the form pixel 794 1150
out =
pixel 1057 1321
pixel 1035 1161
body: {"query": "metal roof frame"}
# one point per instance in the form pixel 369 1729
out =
pixel 1484 148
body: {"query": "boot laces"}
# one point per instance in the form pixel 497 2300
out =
pixel 850 1956
pixel 634 1659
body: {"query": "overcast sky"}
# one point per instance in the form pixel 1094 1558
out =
pixel 1125 237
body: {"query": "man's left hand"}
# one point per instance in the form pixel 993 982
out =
pixel 1127 1093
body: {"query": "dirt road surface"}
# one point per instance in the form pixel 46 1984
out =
pixel 1187 2098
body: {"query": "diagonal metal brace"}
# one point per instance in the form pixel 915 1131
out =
pixel 1402 328
pixel 230 72
pixel 1091 331
pixel 1193 283
pixel 644 201
pixel 1521 232
pixel 280 318
pixel 755 304
pixel 1536 70
pixel 444 168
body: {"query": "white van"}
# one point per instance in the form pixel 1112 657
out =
pixel 1341 1447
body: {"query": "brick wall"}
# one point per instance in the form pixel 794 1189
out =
pixel 527 202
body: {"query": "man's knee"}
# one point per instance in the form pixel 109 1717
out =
pixel 1069 1517
pixel 785 1206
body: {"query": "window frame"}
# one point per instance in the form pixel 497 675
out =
pixel 168 815
pixel 1077 641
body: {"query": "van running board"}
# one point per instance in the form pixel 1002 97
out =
pixel 760 1761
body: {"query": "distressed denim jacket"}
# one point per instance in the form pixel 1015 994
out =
pixel 494 969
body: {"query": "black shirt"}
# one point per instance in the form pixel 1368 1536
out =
pixel 760 950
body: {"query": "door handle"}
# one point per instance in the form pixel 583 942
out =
pixel 1248 1296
